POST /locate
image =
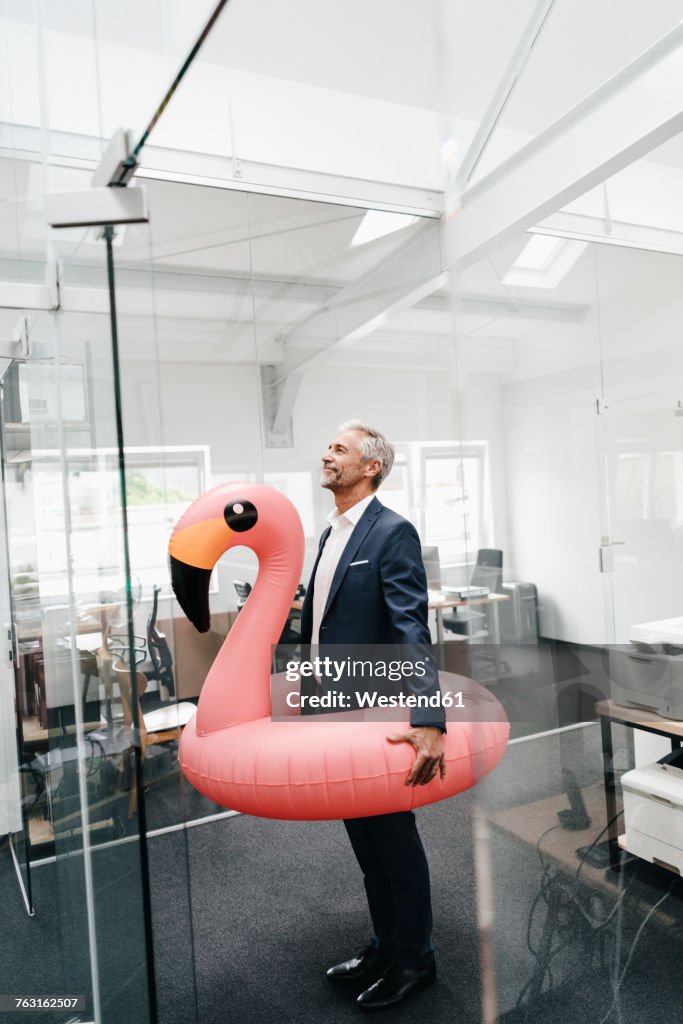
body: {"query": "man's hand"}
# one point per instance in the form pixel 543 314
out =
pixel 428 743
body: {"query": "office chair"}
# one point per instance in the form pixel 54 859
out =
pixel 291 634
pixel 243 591
pixel 488 572
pixel 159 667
pixel 155 727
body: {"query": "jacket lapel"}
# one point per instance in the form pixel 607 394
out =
pixel 361 530
pixel 307 609
pixel 324 538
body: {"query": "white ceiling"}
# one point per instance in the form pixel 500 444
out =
pixel 300 259
pixel 441 56
pixel 214 297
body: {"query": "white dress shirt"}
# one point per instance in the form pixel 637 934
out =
pixel 342 527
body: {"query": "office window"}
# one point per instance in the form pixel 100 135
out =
pixel 160 484
pixel 452 491
pixel 396 489
pixel 441 488
pixel 298 487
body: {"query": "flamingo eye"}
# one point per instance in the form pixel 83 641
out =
pixel 240 515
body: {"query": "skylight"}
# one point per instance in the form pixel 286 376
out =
pixel 544 261
pixel 377 223
pixel 538 252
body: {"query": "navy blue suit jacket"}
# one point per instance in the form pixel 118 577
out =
pixel 382 599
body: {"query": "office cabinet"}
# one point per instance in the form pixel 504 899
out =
pixel 519 615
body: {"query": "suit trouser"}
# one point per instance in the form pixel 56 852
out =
pixel 396 874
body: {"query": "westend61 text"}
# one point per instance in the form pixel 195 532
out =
pixel 370 699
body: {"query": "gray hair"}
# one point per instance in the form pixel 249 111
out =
pixel 373 446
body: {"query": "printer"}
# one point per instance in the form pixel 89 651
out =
pixel 653 812
pixel 648 672
pixel 667 632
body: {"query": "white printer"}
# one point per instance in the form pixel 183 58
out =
pixel 653 814
pixel 648 673
pixel 665 631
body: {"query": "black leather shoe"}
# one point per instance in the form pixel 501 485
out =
pixel 363 968
pixel 396 985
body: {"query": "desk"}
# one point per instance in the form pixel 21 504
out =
pixel 574 888
pixel 438 604
pixel 537 822
pixel 529 822
pixel 84 642
pixel 634 718
pixel 89 633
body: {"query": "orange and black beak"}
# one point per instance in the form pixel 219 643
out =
pixel 194 551
pixel 191 587
pixel 198 541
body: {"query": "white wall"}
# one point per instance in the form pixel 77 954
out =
pixel 480 418
pixel 217 404
pixel 200 403
pixel 562 456
pixel 552 469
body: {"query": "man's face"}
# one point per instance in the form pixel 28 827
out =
pixel 342 466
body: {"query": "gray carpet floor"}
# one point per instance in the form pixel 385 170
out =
pixel 248 913
pixel 275 903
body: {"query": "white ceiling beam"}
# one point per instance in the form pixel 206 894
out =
pixel 71 149
pixel 30 296
pixel 506 87
pixel 402 280
pixel 508 307
pixel 585 228
pixel 625 118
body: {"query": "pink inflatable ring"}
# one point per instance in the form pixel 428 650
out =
pixel 318 768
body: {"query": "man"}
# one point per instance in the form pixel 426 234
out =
pixel 368 586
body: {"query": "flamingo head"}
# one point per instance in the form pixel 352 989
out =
pixel 228 516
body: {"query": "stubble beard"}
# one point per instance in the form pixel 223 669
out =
pixel 330 479
pixel 335 480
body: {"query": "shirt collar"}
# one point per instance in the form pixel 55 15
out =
pixel 352 515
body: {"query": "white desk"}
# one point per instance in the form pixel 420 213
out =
pixel 440 601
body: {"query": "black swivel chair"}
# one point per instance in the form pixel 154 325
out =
pixel 243 591
pixel 488 572
pixel 291 634
pixel 160 664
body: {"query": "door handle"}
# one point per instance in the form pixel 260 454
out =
pixel 605 562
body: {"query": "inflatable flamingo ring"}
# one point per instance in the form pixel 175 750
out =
pixel 304 768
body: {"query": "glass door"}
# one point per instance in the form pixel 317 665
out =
pixel 642 441
pixel 643 467
pixel 81 742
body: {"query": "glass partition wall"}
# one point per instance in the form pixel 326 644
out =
pixel 497 388
pixel 535 407
pixel 537 423
pixel 78 729
pixel 573 377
